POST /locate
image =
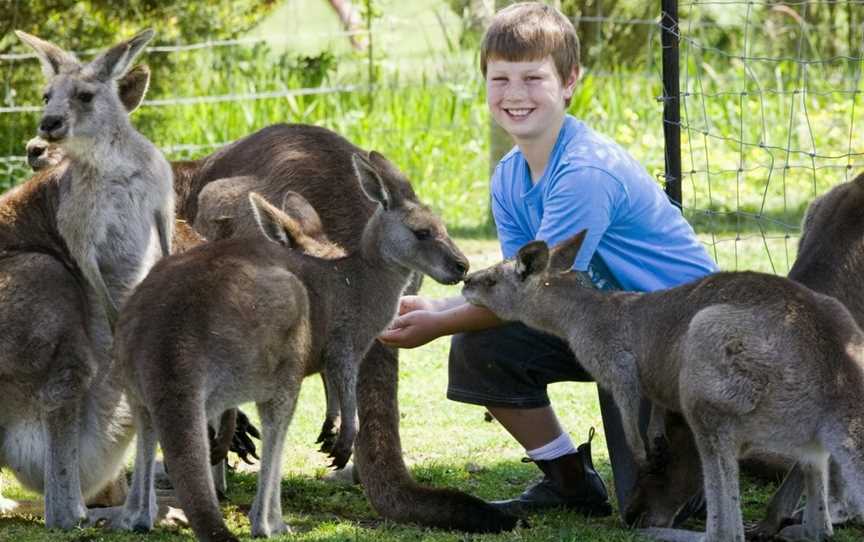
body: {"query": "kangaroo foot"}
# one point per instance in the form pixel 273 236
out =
pixel 348 475
pixel 270 528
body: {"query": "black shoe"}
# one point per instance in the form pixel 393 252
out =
pixel 569 481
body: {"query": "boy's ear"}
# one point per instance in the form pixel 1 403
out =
pixel 532 258
pixel 564 254
pixel 572 80
pixel 276 225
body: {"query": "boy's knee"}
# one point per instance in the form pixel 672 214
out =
pixel 470 348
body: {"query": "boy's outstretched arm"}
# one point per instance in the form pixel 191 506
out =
pixel 422 320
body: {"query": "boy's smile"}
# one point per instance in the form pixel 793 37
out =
pixel 527 98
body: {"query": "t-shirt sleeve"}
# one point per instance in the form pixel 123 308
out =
pixel 510 234
pixel 580 198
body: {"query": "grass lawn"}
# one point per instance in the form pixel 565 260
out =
pixel 445 443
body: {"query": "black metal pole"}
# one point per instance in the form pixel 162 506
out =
pixel 671 99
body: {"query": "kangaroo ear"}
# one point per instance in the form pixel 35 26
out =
pixel 564 254
pixel 532 258
pixel 114 62
pixel 370 181
pixel 133 86
pixel 276 225
pixel 299 208
pixel 51 57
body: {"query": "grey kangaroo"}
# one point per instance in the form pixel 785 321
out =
pixel 281 316
pixel 116 214
pixel 832 268
pixel 59 234
pixel 751 360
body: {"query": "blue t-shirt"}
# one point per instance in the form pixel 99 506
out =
pixel 591 182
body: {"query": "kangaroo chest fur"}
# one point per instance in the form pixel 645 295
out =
pixel 110 215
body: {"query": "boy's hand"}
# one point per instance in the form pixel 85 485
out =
pixel 416 324
pixel 411 303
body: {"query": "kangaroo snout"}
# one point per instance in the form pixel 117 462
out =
pixel 53 127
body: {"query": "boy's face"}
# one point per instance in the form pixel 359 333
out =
pixel 526 98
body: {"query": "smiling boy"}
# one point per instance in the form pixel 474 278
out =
pixel 560 178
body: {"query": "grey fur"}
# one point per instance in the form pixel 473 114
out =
pixel 73 240
pixel 117 212
pixel 751 360
pixel 281 316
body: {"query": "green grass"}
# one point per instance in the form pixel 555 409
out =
pixel 445 444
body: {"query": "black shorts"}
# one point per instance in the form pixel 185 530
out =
pixel 509 366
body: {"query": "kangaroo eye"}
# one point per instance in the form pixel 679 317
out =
pixel 45 98
pixel 423 235
pixel 85 97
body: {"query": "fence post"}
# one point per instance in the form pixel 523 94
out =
pixel 370 93
pixel 671 99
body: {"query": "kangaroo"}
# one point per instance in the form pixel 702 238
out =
pixel 751 360
pixel 283 315
pixel 828 268
pixel 222 214
pixel 57 231
pixel 116 214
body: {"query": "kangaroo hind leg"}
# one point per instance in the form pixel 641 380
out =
pixel 181 425
pixel 266 513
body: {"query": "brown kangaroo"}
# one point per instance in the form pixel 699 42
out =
pixel 273 316
pixel 751 360
pixel 831 268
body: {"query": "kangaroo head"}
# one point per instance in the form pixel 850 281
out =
pixel 406 232
pixel 131 89
pixel 297 225
pixel 505 287
pixel 81 100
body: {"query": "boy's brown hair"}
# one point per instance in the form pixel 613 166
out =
pixel 530 31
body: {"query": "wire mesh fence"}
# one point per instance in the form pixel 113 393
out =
pixel 769 119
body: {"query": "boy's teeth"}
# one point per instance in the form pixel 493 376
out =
pixel 518 112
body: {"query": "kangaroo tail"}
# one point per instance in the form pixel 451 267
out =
pixel 378 453
pixel 181 424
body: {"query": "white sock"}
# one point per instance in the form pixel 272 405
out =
pixel 553 450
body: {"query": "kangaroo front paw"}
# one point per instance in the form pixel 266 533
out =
pixel 341 452
pixel 327 436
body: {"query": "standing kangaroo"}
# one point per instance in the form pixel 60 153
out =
pixel 277 316
pixel 67 238
pixel 832 268
pixel 751 360
pixel 116 213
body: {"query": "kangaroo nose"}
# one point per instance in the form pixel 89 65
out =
pixel 51 123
